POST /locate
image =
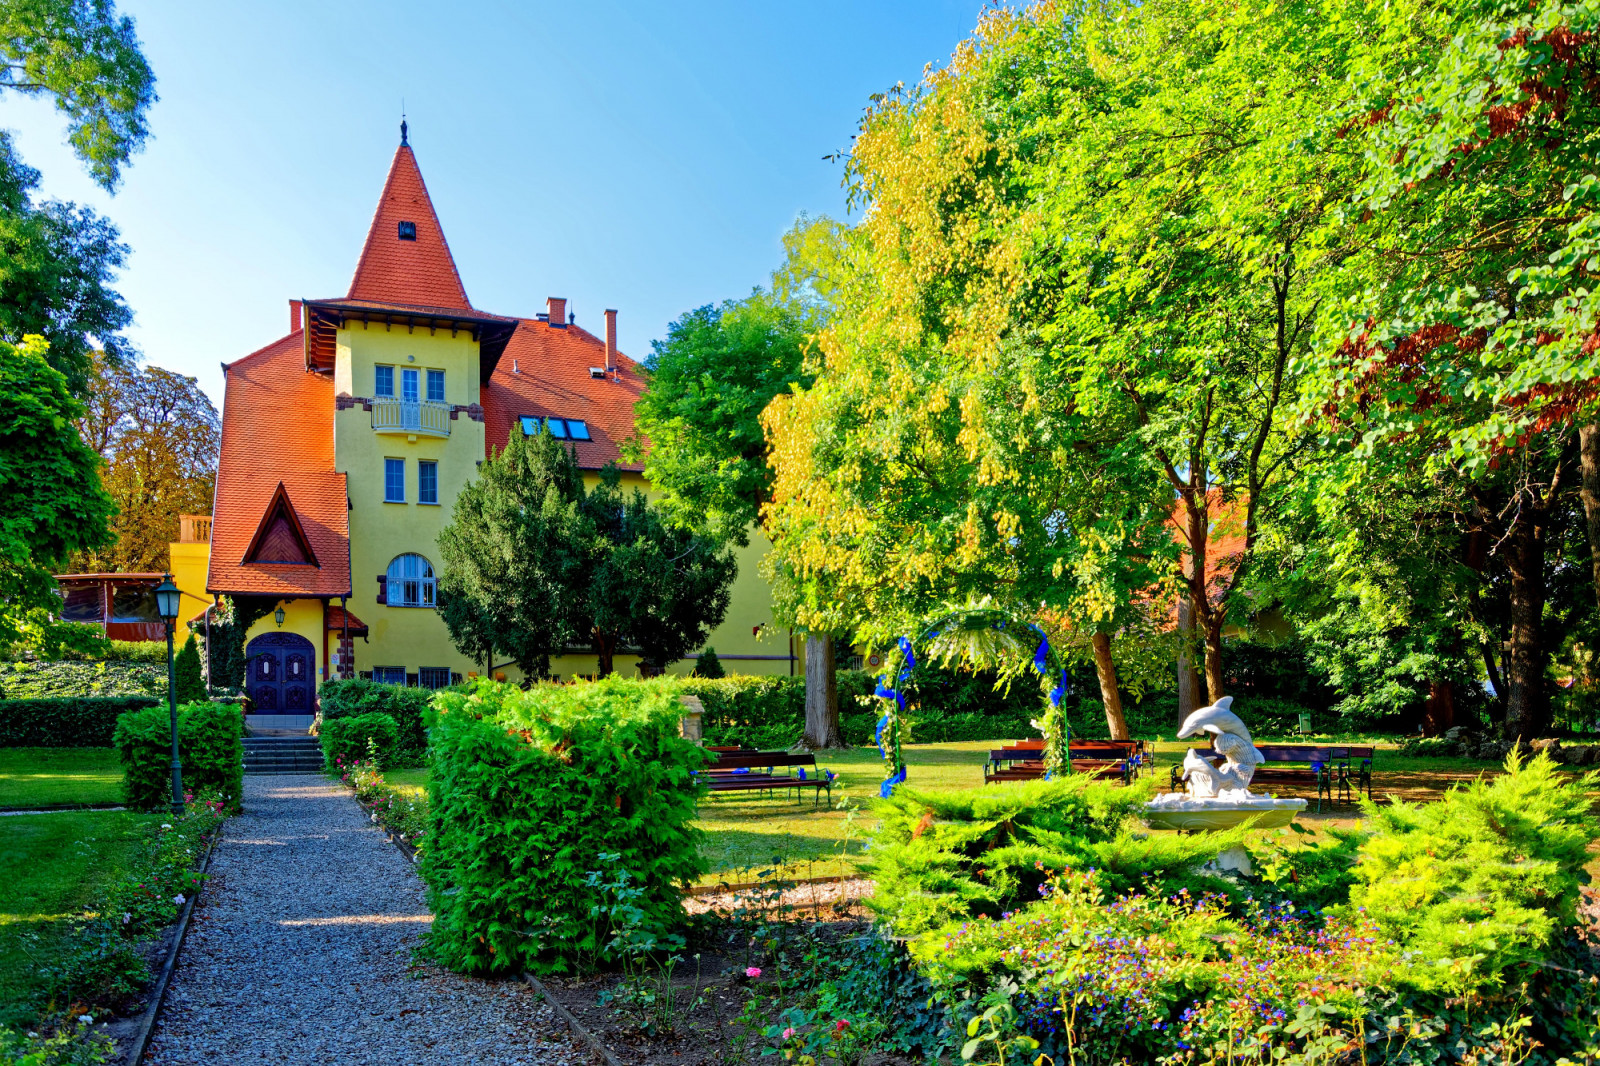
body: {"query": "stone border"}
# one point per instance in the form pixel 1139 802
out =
pixel 147 1024
pixel 57 808
pixel 594 1042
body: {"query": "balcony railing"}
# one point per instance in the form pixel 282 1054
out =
pixel 423 416
pixel 194 529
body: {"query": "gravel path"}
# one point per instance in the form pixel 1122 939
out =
pixel 300 952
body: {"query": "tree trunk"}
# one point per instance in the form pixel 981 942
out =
pixel 1589 466
pixel 1439 713
pixel 1204 619
pixel 1189 699
pixel 822 694
pixel 1109 696
pixel 1527 706
pixel 1214 656
pixel 605 649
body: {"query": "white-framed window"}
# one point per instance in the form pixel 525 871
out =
pixel 427 481
pixel 436 386
pixel 411 582
pixel 383 381
pixel 389 675
pixel 409 389
pixel 560 428
pixel 394 481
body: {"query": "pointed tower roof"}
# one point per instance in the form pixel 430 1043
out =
pixel 406 259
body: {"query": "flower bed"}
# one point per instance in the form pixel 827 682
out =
pixel 402 812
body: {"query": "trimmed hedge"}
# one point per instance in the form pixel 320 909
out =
pixel 345 740
pixel 944 706
pixel 356 696
pixel 79 722
pixel 210 752
pixel 562 818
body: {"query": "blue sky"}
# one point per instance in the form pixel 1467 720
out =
pixel 642 156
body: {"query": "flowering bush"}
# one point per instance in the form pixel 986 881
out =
pixel 403 813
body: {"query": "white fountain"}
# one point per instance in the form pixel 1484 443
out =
pixel 1219 797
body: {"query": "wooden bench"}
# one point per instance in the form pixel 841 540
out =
pixel 757 771
pixel 1326 766
pixel 1098 758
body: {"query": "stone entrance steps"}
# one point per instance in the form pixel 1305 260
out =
pixel 282 755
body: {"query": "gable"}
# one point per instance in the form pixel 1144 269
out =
pixel 280 538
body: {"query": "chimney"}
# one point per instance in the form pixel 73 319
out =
pixel 294 315
pixel 558 312
pixel 611 338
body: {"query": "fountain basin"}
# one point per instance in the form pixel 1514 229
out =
pixel 1176 810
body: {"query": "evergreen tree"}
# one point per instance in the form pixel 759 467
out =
pixel 188 681
pixel 708 666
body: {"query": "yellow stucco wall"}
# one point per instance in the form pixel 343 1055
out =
pixel 299 616
pixel 189 563
pixel 414 637
pixel 409 637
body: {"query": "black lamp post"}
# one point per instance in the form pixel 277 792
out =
pixel 167 597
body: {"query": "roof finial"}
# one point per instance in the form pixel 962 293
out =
pixel 403 142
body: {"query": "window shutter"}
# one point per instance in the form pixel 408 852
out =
pixel 383 588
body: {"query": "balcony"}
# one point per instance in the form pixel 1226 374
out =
pixel 423 418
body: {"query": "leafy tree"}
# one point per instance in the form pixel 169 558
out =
pixel 51 502
pixel 56 265
pixel 1460 335
pixel 709 380
pixel 57 259
pixel 511 554
pixel 534 564
pixel 188 680
pixel 159 437
pixel 645 583
pixel 86 57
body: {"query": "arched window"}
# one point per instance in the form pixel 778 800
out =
pixel 410 582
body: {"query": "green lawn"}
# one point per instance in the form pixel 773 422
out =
pixel 31 777
pixel 50 865
pixel 748 838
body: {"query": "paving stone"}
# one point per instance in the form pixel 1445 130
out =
pixel 301 952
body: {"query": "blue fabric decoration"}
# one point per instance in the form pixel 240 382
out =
pixel 886 788
pixel 802 770
pixel 1041 657
pixel 883 723
pixel 742 770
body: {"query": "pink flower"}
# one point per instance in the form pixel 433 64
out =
pixel 752 971
pixel 788 1033
pixel 841 1025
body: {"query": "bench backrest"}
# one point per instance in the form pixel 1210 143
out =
pixel 1306 753
pixel 1016 754
pixel 746 760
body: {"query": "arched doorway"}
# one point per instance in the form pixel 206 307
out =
pixel 281 672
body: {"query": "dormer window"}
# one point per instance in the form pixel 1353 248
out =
pixel 560 428
pixel 408 231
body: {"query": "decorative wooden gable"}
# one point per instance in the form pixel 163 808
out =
pixel 280 538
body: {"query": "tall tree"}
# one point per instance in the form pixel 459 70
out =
pixel 1462 333
pixel 709 380
pixel 51 502
pixel 648 584
pixel 535 564
pixel 87 58
pixel 511 553
pixel 159 437
pixel 57 259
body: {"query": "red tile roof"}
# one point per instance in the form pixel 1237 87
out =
pixel 335 619
pixel 417 271
pixel 277 426
pixel 551 379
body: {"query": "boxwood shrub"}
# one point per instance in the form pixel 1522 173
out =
pixel 77 722
pixel 357 696
pixel 345 740
pixel 210 751
pixel 550 802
